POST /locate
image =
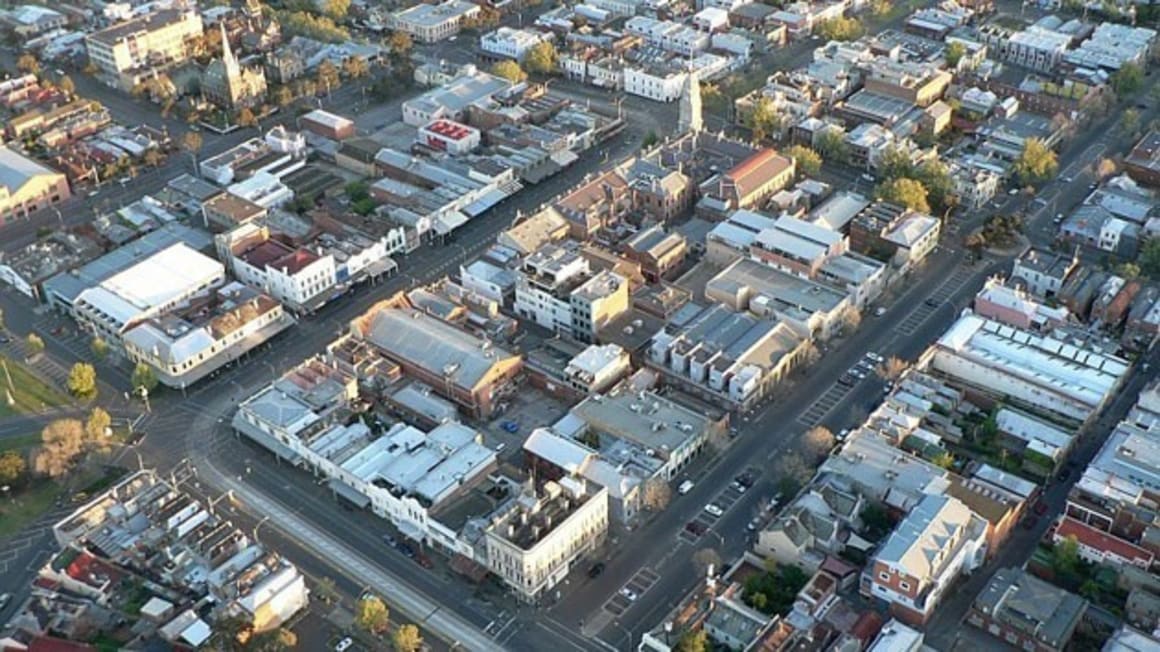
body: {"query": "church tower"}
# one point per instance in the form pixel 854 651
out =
pixel 690 120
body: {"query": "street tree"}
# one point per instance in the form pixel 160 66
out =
pixel 1130 121
pixel 656 495
pixel 694 640
pixel 1128 271
pixel 808 161
pixel 541 58
pixel 839 29
pixel 818 442
pixel 67 86
pixel 935 176
pixel 35 344
pixel 62 442
pixel 12 467
pixel 895 163
pixel 892 368
pixel 400 43
pixel 326 590
pixel 328 77
pixel 246 117
pixel 82 381
pixel 191 142
pixel 706 560
pixel 509 70
pixel 793 473
pixel 371 615
pixel 28 63
pixel 944 460
pixel 283 96
pixel 1149 258
pixel 1036 163
pixel 1066 555
pixel 274 640
pixel 356 68
pixel 143 377
pixel 406 638
pixel 99 347
pixel 904 192
pixel 153 157
pixel 831 144
pixel 1128 79
pixel 97 429
pixel 765 122
pixel 1105 168
pixel 851 318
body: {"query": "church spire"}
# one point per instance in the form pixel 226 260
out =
pixel 231 62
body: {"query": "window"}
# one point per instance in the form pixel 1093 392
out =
pixel 884 576
pixel 904 586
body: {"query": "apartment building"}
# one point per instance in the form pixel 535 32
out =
pixel 937 541
pixel 128 52
pixel 597 368
pixel 26 186
pixel 558 290
pixel 510 43
pixel 1027 613
pixel 669 36
pixel 533 544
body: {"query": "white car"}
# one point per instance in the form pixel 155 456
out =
pixel 714 510
pixel 879 311
pixel 685 487
pixel 5 598
pixel 628 593
pixel 344 644
pixel 842 434
pixel 870 355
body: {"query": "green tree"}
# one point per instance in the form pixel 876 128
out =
pixel 1066 555
pixel 356 67
pixel 904 192
pixel 540 59
pixel 954 53
pixel 1130 121
pixel 328 77
pixel 694 640
pixel 765 122
pixel 1036 163
pixel 371 614
pixel 400 43
pixel 82 381
pixel 99 347
pixel 1128 79
pixel 326 590
pixel 945 460
pixel 808 161
pixel 35 344
pixel 839 29
pixel 12 467
pixel 895 162
pixel 1127 270
pixel 143 376
pixel 1149 258
pixel 28 63
pixel 935 176
pixel 831 144
pixel 406 638
pixel 509 70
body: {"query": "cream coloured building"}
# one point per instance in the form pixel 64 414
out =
pixel 128 52
pixel 27 186
pixel 534 542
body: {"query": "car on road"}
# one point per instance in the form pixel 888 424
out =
pixel 868 177
pixel 629 593
pixel 424 561
pixel 1040 507
pixel 846 379
pixel 1012 192
pixel 390 541
pixel 842 434
pixel 857 373
pixel 1058 219
pixel 931 302
pixel 754 523
pixel 596 569
pixel 685 487
pixel 693 527
pixel 714 510
pixel 406 548
pixel 871 355
pixel 5 599
pixel 510 427
pixel 1029 522
pixel 344 644
pixel 879 311
pixel 1063 474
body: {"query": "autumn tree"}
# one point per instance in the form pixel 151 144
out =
pixel 808 161
pixel 694 640
pixel 143 377
pixel 851 318
pixel 904 192
pixel 99 347
pixel 97 429
pixel 371 614
pixel 274 640
pixel 892 368
pixel 765 122
pixel 793 473
pixel 191 142
pixel 656 495
pixel 839 29
pixel 12 467
pixel 27 63
pixel 246 117
pixel 1036 163
pixel 1105 168
pixel 282 96
pixel 509 70
pixel 944 460
pixel 335 10
pixel 895 162
pixel 1130 121
pixel 34 343
pixel 356 68
pixel 400 43
pixel 818 442
pixel 82 381
pixel 67 86
pixel 62 442
pixel 328 77
pixel 406 638
pixel 153 158
pixel 540 59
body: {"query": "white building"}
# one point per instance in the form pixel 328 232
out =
pixel 129 51
pixel 597 368
pixel 264 189
pixel 431 23
pixel 510 43
pixel 654 83
pixel 296 276
pixel 1039 372
pixel 534 543
pixel 449 136
pixel 558 291
pixel 667 35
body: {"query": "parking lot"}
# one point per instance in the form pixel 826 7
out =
pixel 526 410
pixel 695 529
pixel 631 591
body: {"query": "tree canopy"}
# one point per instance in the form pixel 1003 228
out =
pixel 509 70
pixel 1036 163
pixel 808 161
pixel 540 59
pixel 82 381
pixel 904 192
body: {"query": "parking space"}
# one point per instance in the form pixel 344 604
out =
pixel 818 410
pixel 522 412
pixel 721 503
pixel 631 591
pixel 961 276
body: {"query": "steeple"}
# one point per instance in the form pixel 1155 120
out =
pixel 690 120
pixel 233 71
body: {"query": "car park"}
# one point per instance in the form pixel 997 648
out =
pixel 693 527
pixel 714 510
pixel 871 355
pixel 629 593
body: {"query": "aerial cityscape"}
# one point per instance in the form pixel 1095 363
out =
pixel 615 325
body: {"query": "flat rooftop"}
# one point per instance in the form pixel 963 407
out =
pixel 647 419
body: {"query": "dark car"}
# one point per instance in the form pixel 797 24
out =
pixel 1040 508
pixel 1063 474
pixel 1029 522
pixel 931 302
pixel 424 561
pixel 596 570
pixel 390 540
pixel 695 528
pixel 846 379
pixel 406 549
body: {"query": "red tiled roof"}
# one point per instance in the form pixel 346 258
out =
pixel 867 627
pixel 265 253
pixel 295 261
pixel 86 568
pixel 757 170
pixel 1100 540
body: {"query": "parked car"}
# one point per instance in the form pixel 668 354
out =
pixel 714 510
pixel 1040 507
pixel 510 427
pixel 754 523
pixel 842 434
pixel 596 569
pixel 406 548
pixel 846 379
pixel 5 599
pixel 931 302
pixel 737 486
pixel 629 593
pixel 390 541
pixel 745 479
pixel 693 527
pixel 871 355
pixel 879 311
pixel 685 487
pixel 344 644
pixel 424 561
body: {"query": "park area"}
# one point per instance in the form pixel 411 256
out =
pixel 24 392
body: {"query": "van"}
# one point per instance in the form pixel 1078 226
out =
pixel 685 487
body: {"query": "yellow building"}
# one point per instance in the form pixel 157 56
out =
pixel 130 51
pixel 27 186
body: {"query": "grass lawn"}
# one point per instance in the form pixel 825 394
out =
pixel 20 442
pixel 27 506
pixel 29 393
